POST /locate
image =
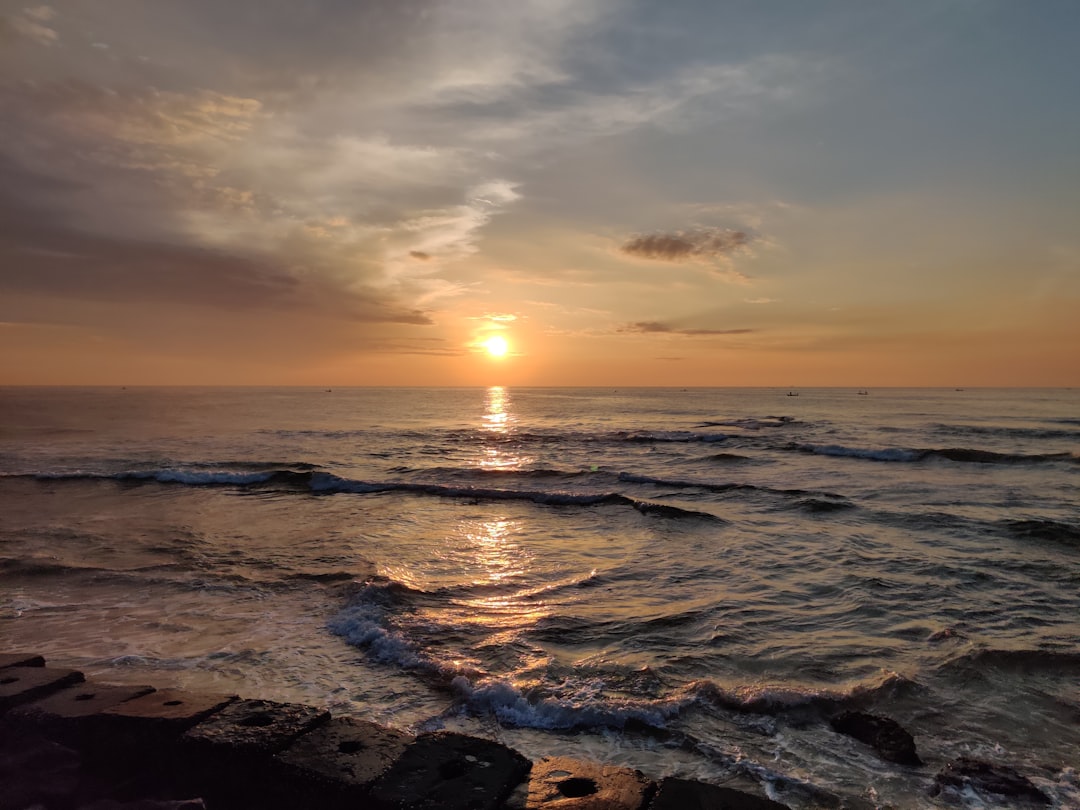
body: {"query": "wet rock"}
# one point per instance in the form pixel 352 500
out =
pixel 228 758
pixel 984 777
pixel 20 660
pixel 147 804
pixel 451 772
pixel 892 742
pixel 25 684
pixel 69 716
pixel 683 794
pixel 561 783
pixel 254 727
pixel 36 771
pixel 154 721
pixel 338 761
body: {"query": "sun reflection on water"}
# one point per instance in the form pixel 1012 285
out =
pixel 499 424
pixel 498 565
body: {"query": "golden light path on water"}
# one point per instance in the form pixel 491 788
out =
pixel 499 422
pixel 497 558
pixel 480 574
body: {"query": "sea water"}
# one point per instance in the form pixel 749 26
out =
pixel 689 582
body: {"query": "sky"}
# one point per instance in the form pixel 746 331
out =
pixel 627 192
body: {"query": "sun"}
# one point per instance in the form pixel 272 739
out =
pixel 496 346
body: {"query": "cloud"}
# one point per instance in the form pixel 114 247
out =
pixel 689 245
pixel 43 254
pixel 658 327
pixel 30 25
pixel 420 256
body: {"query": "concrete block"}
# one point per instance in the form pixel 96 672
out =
pixel 20 685
pixel 451 772
pixel 228 758
pixel 684 794
pixel 260 727
pixel 20 660
pixel 561 783
pixel 68 716
pixel 158 718
pixel 336 764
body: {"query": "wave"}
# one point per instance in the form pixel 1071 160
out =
pixel 1007 432
pixel 826 500
pixel 331 484
pixel 1043 530
pixel 732 458
pixel 190 477
pixel 324 483
pixel 959 454
pixel 585 709
pixel 1053 661
pixel 775 700
pixel 753 423
pixel 661 436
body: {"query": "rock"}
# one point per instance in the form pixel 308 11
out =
pixel 36 771
pixel 228 758
pixel 451 772
pixel 561 783
pixel 338 761
pixel 147 804
pixel 20 660
pixel 985 777
pixel 892 742
pixel 254 727
pixel 25 684
pixel 683 794
pixel 69 716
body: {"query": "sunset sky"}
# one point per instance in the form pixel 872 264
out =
pixel 688 192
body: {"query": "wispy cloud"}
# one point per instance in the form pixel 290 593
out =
pixel 660 328
pixel 689 245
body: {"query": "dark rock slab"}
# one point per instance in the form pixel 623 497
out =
pixel 985 777
pixel 891 741
pixel 572 784
pixel 147 804
pixel 153 723
pixel 67 716
pixel 20 685
pixel 20 660
pixel 451 772
pixel 338 762
pixel 35 771
pixel 259 727
pixel 683 794
pixel 228 758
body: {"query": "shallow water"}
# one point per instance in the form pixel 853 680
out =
pixel 689 582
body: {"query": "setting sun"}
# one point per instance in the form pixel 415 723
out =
pixel 496 346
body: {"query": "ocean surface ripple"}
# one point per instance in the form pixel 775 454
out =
pixel 691 582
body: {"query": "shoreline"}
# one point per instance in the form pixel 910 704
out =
pixel 69 742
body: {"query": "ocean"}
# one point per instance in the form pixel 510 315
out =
pixel 689 582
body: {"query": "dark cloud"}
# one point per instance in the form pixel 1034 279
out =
pixel 680 246
pixel 657 327
pixel 43 254
pixel 419 255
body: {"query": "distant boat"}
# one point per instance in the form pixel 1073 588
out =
pixel 792 393
pixel 863 393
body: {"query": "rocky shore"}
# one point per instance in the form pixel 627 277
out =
pixel 67 743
